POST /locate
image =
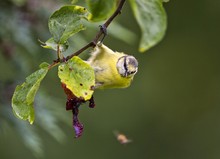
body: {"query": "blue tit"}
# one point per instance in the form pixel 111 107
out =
pixel 112 69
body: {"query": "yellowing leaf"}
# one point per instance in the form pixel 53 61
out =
pixel 78 76
pixel 66 22
pixel 152 20
pixel 23 97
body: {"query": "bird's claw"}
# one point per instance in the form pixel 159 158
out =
pixel 103 28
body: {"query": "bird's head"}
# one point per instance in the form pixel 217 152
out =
pixel 127 66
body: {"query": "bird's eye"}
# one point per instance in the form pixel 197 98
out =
pixel 132 72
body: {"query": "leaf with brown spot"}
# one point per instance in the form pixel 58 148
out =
pixel 78 76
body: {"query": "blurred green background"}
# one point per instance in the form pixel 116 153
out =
pixel 171 110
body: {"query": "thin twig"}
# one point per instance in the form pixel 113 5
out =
pixel 91 44
pixel 94 42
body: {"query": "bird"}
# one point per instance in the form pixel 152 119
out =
pixel 112 69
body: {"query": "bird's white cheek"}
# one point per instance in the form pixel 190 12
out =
pixel 120 67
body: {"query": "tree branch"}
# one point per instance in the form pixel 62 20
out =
pixel 94 42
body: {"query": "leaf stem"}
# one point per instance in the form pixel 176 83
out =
pixel 58 52
pixel 94 42
pixel 56 62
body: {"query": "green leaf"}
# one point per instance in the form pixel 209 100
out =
pixel 152 20
pixel 78 76
pixel 101 9
pixel 51 44
pixel 66 22
pixel 23 97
